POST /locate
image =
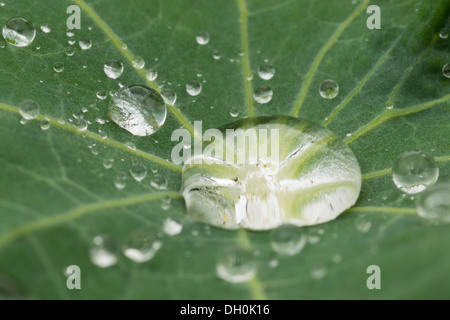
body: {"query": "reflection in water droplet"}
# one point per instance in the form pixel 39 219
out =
pixel 85 44
pixel 141 246
pixel 138 109
pixel 159 182
pixel 434 203
pixel 287 240
pixel 202 38
pixel 414 171
pixel 172 227
pixel 329 89
pixel 120 181
pixel 169 96
pixel 113 68
pixel 266 71
pixel 104 251
pixel 236 265
pixel 194 88
pixel 263 94
pixel 19 32
pixel 151 74
pixel 29 109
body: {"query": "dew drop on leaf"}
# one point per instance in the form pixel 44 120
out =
pixel 159 182
pixel 217 55
pixel 58 67
pixel 141 246
pixel 434 203
pixel 19 32
pixel 29 109
pixel 151 75
pixel 108 163
pixel 234 112
pixel 45 28
pixel 101 95
pixel 165 203
pixel 104 251
pixel 169 96
pixel 329 89
pixel 172 227
pixel 85 44
pixel 70 51
pixel 113 68
pixel 236 265
pixel 287 240
pixel 263 94
pixel 138 63
pixel 446 70
pixel 443 34
pixel 138 171
pixel 194 88
pixel 266 71
pixel 44 124
pixel 202 38
pixel 120 181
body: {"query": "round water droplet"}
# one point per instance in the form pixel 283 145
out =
pixel 159 182
pixel 266 71
pixel 70 33
pixel 236 265
pixel 234 112
pixel 85 44
pixel 414 171
pixel 363 224
pixel 217 55
pixel 202 38
pixel 151 75
pixel 172 227
pixel 104 251
pixel 120 181
pixel 138 63
pixel 194 88
pixel 434 203
pixel 108 163
pixel 138 171
pixel 19 32
pixel 446 71
pixel 142 246
pixel 101 95
pixel 263 94
pixel 329 89
pixel 273 263
pixel 389 106
pixel 318 273
pixel 46 28
pixel 169 96
pixel 29 109
pixel 287 240
pixel 113 68
pixel 130 145
pixel 58 67
pixel 70 51
pixel 443 34
pixel 312 179
pixel 165 203
pixel 138 109
pixel 81 124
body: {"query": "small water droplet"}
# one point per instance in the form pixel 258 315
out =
pixel 194 88
pixel 234 112
pixel 85 44
pixel 45 124
pixel 443 34
pixel 202 38
pixel 266 71
pixel 165 203
pixel 138 109
pixel 273 263
pixel 120 181
pixel 101 95
pixel 217 55
pixel 130 145
pixel 263 94
pixel 138 171
pixel 138 62
pixel 70 33
pixel 81 124
pixel 329 89
pixel 113 68
pixel 19 32
pixel 434 203
pixel 58 67
pixel 236 265
pixel 414 171
pixel 108 163
pixel 318 273
pixel 389 106
pixel 287 240
pixel 159 182
pixel 70 51
pixel 172 227
pixel 362 224
pixel 446 71
pixel 151 75
pixel 313 239
pixel 124 46
pixel 46 28
pixel 141 246
pixel 169 96
pixel 104 251
pixel 29 109
pixel 337 258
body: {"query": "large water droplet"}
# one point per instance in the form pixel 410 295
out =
pixel 236 265
pixel 414 171
pixel 113 68
pixel 446 71
pixel 169 96
pixel 138 171
pixel 85 44
pixel 266 71
pixel 29 109
pixel 142 246
pixel 194 88
pixel 19 32
pixel 138 109
pixel 434 203
pixel 172 227
pixel 329 89
pixel 104 251
pixel 288 240
pixel 58 67
pixel 263 94
pixel 202 38
pixel 290 171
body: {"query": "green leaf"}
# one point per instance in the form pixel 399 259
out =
pixel 56 195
